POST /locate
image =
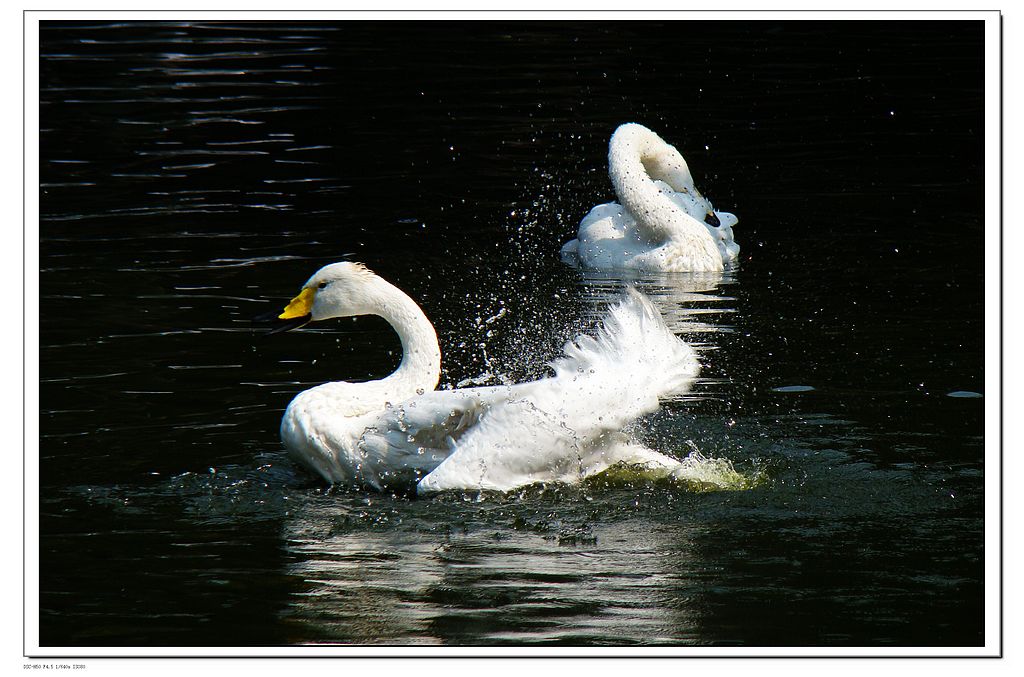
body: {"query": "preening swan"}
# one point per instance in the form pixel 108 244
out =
pixel 661 223
pixel 398 432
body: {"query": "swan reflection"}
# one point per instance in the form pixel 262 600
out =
pixel 690 303
pixel 540 581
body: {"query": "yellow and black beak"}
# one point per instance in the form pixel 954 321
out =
pixel 712 220
pixel 297 313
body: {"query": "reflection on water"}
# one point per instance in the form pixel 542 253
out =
pixel 689 302
pixel 194 173
pixel 538 582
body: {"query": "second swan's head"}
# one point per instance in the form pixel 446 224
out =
pixel 336 290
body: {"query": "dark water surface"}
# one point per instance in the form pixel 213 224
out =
pixel 195 174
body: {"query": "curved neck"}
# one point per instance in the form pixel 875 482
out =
pixel 420 368
pixel 636 158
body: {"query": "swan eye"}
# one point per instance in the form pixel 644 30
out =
pixel 322 285
pixel 712 220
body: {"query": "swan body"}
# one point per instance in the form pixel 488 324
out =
pixel 661 222
pixel 398 432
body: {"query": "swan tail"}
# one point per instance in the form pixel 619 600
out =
pixel 634 358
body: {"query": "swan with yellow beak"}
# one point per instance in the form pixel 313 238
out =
pixel 400 433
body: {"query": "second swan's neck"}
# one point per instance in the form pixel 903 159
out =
pixel 636 157
pixel 420 369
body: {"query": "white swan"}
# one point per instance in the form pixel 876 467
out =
pixel 661 222
pixel 398 432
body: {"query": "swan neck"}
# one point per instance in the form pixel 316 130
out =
pixel 420 368
pixel 636 158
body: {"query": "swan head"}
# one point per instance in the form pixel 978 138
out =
pixel 337 290
pixel 697 206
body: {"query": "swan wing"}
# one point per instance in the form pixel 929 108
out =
pixel 408 440
pixel 567 426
